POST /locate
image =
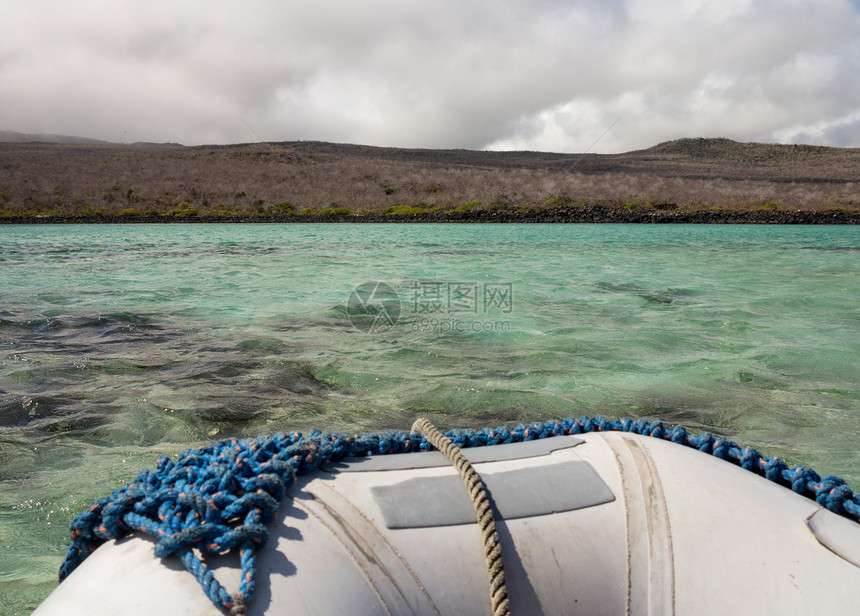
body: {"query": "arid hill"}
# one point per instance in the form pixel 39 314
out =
pixel 312 179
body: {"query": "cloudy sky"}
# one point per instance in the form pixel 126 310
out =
pixel 552 75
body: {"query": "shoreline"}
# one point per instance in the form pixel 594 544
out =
pixel 588 214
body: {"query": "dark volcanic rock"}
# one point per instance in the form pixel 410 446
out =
pixel 586 214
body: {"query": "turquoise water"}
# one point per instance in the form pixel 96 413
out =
pixel 119 343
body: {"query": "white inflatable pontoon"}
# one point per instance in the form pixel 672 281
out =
pixel 601 523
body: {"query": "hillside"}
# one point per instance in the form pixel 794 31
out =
pixel 728 151
pixel 306 178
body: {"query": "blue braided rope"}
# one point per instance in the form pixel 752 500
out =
pixel 219 497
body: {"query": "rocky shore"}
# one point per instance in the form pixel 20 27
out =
pixel 586 214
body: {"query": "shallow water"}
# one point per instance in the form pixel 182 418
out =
pixel 119 343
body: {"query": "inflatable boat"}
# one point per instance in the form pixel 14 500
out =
pixel 588 516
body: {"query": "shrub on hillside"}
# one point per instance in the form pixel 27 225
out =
pixel 336 211
pixel 404 210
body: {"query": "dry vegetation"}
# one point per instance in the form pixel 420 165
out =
pixel 301 178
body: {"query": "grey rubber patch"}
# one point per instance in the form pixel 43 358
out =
pixel 521 493
pixel 475 455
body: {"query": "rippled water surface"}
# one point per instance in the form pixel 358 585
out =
pixel 119 343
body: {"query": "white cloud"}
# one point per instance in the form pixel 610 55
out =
pixel 542 75
pixel 841 132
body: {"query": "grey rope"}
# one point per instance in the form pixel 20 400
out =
pixel 483 511
pixel 238 608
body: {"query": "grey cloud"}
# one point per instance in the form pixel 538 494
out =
pixel 504 74
pixel 843 136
